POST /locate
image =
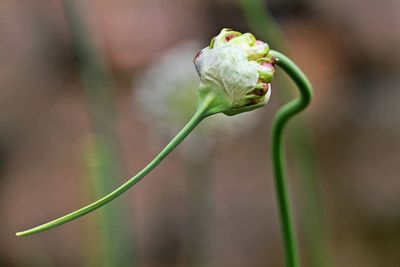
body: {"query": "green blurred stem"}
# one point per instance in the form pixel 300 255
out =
pixel 262 23
pixel 200 210
pixel 201 112
pixel 280 121
pixel 114 246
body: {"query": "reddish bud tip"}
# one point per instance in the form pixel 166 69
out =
pixel 229 37
pixel 197 55
pixel 265 88
pixel 266 64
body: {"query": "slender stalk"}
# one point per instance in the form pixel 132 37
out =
pixel 280 121
pixel 201 112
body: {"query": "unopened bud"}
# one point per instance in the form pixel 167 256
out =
pixel 237 68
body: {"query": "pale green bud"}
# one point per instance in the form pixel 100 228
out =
pixel 237 68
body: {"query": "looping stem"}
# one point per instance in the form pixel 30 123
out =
pixel 281 119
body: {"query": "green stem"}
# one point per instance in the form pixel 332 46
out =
pixel 281 119
pixel 201 112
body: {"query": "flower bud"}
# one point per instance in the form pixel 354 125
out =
pixel 237 68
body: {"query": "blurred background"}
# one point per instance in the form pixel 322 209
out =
pixel 90 92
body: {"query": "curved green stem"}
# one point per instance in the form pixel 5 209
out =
pixel 201 112
pixel 281 119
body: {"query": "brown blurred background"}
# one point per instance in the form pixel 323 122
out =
pixel 67 106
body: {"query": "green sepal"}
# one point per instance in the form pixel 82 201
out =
pixel 215 99
pixel 235 111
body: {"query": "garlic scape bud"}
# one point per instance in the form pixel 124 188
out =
pixel 237 69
